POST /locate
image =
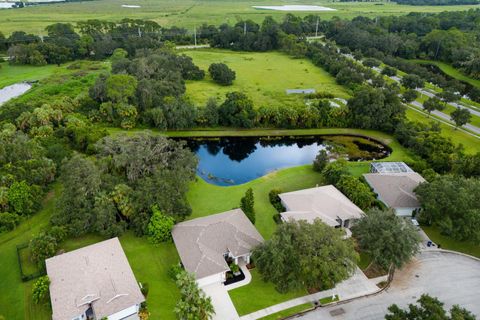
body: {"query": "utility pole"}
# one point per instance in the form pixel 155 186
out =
pixel 244 27
pixel 316 27
pixel 139 32
pixel 195 35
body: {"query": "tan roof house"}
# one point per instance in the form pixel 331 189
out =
pixel 205 243
pixel 326 203
pixel 396 190
pixel 94 282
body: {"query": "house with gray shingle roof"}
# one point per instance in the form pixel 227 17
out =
pixel 326 203
pixel 93 282
pixel 205 243
pixel 396 190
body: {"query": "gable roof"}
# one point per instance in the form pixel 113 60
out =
pixel 98 274
pixel 326 203
pixel 202 242
pixel 396 189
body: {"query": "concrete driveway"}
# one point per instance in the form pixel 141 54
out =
pixel 453 278
pixel 223 305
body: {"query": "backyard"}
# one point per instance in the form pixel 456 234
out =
pixel 263 77
pixel 150 263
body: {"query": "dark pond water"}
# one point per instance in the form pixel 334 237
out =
pixel 236 160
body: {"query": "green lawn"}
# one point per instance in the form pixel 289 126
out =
pixel 451 244
pixel 262 76
pixel 258 295
pixel 207 199
pixel 451 71
pixel 470 143
pixel 15 301
pixel 188 13
pixel 13 74
pixel 288 312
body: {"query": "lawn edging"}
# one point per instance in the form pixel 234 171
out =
pixel 340 302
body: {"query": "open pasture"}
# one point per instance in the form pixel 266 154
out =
pixel 188 13
pixel 264 77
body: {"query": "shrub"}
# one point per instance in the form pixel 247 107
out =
pixel 159 229
pixel 334 171
pixel 247 204
pixel 321 161
pixel 221 74
pixel 145 288
pixel 275 199
pixel 174 271
pixel 8 221
pixel 389 71
pixel 40 290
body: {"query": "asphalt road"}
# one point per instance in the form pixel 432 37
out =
pixel 454 279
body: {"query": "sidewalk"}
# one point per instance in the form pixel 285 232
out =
pixel 356 286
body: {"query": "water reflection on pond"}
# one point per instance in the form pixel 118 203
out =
pixel 235 160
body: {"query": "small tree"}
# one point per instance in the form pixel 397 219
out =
pixel 193 303
pixel 355 190
pixel 412 81
pixel 210 113
pixel 159 229
pixel 389 71
pixel 409 95
pixel 40 290
pixel 428 308
pixel 389 239
pixel 321 161
pixel 221 74
pixel 247 204
pixel 460 116
pixel 335 170
pixel 301 255
pixel 432 104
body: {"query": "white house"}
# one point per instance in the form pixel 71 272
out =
pixel 94 282
pixel 205 243
pixel 326 203
pixel 396 190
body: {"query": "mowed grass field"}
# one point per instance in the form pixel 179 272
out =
pixel 13 74
pixel 188 13
pixel 264 77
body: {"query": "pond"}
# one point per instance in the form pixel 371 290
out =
pixel 13 91
pixel 228 161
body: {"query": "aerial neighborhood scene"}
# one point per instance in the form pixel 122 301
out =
pixel 239 159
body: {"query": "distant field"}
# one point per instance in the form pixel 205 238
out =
pixel 13 74
pixel 262 76
pixel 188 13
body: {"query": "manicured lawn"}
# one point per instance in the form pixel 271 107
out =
pixel 13 74
pixel 261 76
pixel 288 312
pixel 365 260
pixel 189 13
pixel 469 142
pixel 207 199
pixel 451 244
pixel 258 295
